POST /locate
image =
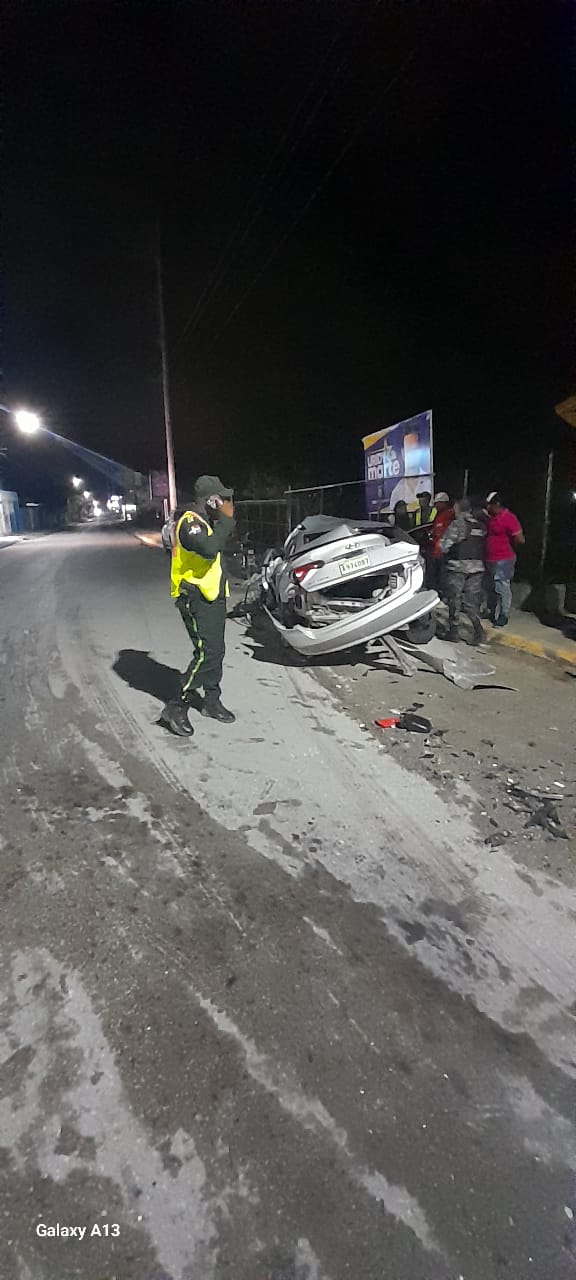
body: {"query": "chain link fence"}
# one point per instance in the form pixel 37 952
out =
pixel 261 522
pixel 345 500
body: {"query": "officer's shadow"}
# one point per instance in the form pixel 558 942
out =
pixel 137 669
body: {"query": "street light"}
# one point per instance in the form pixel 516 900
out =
pixel 27 422
pixel 77 481
pixel 87 495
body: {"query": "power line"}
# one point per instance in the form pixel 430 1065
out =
pixel 239 235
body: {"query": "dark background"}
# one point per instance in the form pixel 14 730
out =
pixel 390 185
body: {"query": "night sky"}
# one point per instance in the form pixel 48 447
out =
pixel 365 211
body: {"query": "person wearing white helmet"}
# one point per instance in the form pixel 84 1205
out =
pixel 435 559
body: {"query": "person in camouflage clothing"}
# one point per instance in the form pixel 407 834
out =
pixel 463 546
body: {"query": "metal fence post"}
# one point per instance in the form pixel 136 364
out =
pixel 546 521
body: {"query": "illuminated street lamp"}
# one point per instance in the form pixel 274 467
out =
pixel 27 422
pixel 87 495
pixel 77 481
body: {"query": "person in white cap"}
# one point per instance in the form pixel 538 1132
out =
pixel 436 562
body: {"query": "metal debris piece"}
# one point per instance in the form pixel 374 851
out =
pixel 527 793
pixel 465 672
pixel 547 818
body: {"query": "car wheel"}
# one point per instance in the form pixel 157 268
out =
pixel 423 629
pixel 288 616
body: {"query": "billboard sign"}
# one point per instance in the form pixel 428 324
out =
pixel 398 464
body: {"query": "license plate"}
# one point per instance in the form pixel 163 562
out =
pixel 354 565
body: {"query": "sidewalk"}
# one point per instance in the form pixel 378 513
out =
pixel 527 635
pixel 8 539
pixel 29 535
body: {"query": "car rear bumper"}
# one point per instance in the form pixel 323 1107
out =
pixel 358 628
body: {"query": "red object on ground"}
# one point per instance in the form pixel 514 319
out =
pixel 407 720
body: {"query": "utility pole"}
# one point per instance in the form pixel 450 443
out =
pixel 546 518
pixel 172 494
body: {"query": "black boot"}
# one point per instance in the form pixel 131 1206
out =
pixel 452 636
pixel 214 709
pixel 175 717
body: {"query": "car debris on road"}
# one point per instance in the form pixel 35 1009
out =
pixel 406 720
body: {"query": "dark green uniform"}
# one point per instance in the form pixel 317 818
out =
pixel 204 620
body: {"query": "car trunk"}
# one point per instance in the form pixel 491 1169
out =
pixel 346 597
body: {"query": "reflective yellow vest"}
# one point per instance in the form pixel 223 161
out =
pixel 192 568
pixel 418 516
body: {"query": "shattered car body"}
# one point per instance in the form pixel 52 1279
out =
pixel 343 583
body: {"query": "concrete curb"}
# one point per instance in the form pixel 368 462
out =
pixel 34 535
pixel 560 651
pixel 10 540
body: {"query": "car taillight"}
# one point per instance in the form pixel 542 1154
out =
pixel 299 574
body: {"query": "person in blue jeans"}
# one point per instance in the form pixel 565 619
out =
pixel 503 535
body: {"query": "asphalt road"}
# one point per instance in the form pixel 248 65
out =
pixel 271 1007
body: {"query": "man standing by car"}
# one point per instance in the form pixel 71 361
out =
pixel 463 546
pixel 200 589
pixel 426 513
pixel 402 517
pixel 503 535
pixel 435 560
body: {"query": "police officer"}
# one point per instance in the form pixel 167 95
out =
pixel 426 512
pixel 463 546
pixel 200 589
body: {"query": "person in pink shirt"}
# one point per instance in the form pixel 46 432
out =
pixel 503 535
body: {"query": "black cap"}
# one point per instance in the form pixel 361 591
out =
pixel 211 486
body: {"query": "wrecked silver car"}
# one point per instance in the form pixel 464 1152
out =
pixel 339 583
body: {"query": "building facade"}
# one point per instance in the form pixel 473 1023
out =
pixel 10 519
